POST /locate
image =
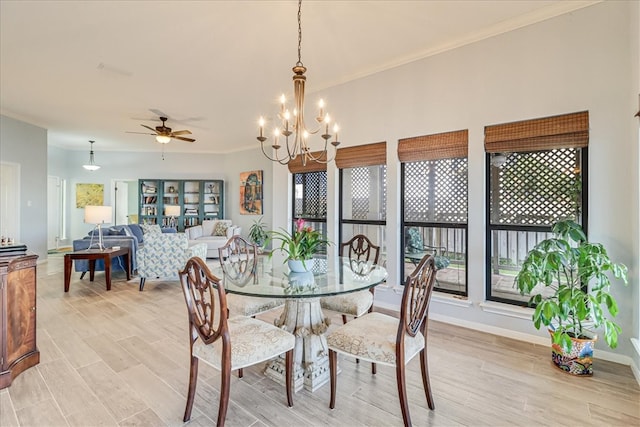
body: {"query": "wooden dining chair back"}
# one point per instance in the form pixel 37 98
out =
pixel 362 253
pixel 226 343
pixel 239 260
pixel 362 256
pixel 383 339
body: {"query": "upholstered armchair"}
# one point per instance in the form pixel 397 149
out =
pixel 165 254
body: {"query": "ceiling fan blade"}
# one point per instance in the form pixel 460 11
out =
pixel 182 138
pixel 181 132
pixel 158 112
pixel 150 128
pixel 141 133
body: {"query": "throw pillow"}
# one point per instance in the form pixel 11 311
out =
pixel 116 231
pixel 150 228
pixel 220 229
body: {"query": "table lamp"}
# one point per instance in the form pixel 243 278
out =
pixel 172 211
pixel 97 215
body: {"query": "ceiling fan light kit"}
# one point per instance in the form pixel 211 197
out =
pixel 292 123
pixel 91 166
pixel 164 134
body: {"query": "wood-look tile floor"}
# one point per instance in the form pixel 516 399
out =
pixel 120 358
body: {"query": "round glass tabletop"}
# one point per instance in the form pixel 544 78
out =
pixel 325 279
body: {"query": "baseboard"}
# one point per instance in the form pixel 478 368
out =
pixel 520 336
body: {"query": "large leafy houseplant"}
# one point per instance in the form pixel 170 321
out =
pixel 578 274
pixel 258 232
pixel 300 245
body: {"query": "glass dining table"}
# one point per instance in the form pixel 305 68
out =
pixel 302 314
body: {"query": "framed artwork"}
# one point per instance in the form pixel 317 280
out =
pixel 251 193
pixel 89 195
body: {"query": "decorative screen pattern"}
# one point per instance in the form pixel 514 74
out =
pixel 368 192
pixel 436 191
pixel 360 193
pixel 310 195
pixel 536 188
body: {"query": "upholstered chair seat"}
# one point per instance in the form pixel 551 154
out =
pixel 354 304
pixel 253 341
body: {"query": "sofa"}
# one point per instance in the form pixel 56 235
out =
pixel 214 233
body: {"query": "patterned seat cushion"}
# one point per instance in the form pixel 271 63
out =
pixel 252 341
pixel 354 304
pixel 372 338
pixel 251 306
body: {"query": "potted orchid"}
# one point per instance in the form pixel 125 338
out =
pixel 300 246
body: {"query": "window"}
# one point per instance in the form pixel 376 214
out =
pixel 434 206
pixel 536 176
pixel 363 193
pixel 310 194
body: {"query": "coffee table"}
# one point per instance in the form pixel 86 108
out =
pixel 92 255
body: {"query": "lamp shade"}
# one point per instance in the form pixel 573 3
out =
pixel 97 214
pixel 172 210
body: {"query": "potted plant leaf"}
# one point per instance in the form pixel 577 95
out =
pixel 569 281
pixel 299 246
pixel 258 233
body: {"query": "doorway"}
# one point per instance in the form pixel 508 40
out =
pixel 55 214
pixel 125 201
pixel 10 200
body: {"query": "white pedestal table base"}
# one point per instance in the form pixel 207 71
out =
pixel 303 317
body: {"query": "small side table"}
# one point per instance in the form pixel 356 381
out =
pixel 92 255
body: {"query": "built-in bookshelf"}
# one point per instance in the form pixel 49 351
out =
pixel 180 203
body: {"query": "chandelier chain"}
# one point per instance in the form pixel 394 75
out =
pixel 299 63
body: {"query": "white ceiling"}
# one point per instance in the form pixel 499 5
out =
pixel 96 69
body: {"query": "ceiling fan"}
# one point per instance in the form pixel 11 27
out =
pixel 164 134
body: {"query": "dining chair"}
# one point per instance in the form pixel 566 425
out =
pixel 363 255
pixel 383 339
pixel 239 262
pixel 226 343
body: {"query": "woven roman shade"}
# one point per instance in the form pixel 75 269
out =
pixel 564 131
pixel 295 165
pixel 447 145
pixel 362 155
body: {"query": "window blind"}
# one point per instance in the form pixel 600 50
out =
pixel 362 155
pixel 563 131
pixel 446 145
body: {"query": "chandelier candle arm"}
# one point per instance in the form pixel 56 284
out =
pixel 299 146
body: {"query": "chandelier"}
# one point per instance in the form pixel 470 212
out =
pixel 91 166
pixel 292 122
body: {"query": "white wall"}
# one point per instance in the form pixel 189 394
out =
pixel 634 19
pixel 26 145
pixel 244 161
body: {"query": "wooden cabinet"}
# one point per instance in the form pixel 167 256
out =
pixel 18 350
pixel 180 203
